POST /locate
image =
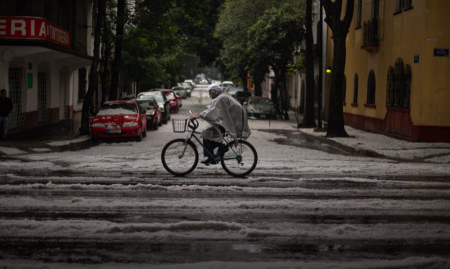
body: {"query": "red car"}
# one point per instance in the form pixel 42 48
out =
pixel 170 94
pixel 119 119
pixel 154 114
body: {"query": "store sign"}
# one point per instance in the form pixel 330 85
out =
pixel 33 28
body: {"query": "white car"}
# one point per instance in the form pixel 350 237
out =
pixel 227 83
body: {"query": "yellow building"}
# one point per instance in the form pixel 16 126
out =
pixel 398 69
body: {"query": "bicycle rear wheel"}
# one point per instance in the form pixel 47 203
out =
pixel 242 161
pixel 179 158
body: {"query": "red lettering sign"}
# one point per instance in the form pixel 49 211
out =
pixel 33 28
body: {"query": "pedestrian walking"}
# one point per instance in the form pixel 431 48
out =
pixel 6 106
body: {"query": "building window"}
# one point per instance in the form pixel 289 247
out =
pixel 81 83
pixel 344 89
pixel 63 14
pixel 375 9
pixel 371 86
pixel 399 85
pixel 390 88
pixel 355 89
pixel 23 8
pixel 407 92
pixel 358 14
pixel 402 5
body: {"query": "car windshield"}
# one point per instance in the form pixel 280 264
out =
pixel 157 97
pixel 118 109
pixel 260 101
pixel 170 95
pixel 147 104
pixel 234 89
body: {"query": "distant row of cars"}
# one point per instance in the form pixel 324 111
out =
pixel 134 115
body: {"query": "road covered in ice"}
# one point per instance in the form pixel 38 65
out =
pixel 306 205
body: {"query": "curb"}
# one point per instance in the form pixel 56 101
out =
pixel 349 149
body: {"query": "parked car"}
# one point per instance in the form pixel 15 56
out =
pixel 163 103
pixel 261 107
pixel 241 96
pixel 181 90
pixel 191 82
pixel 180 100
pixel 188 87
pixel 119 119
pixel 153 111
pixel 170 94
pixel 227 83
pixel 232 90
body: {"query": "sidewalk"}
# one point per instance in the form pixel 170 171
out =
pixel 370 144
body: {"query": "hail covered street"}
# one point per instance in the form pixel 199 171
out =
pixel 306 205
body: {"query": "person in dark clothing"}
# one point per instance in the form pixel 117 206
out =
pixel 6 106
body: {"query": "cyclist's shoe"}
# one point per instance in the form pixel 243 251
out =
pixel 221 151
pixel 208 161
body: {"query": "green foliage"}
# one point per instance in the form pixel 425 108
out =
pixel 253 40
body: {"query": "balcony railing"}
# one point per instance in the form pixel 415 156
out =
pixel 371 34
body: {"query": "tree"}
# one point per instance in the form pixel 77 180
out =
pixel 308 116
pixel 339 28
pixel 115 74
pixel 99 9
pixel 273 40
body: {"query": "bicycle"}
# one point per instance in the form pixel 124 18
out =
pixel 180 156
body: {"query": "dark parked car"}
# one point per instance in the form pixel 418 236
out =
pixel 261 107
pixel 242 96
pixel 129 97
pixel 163 103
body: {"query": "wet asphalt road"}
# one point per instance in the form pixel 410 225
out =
pixel 89 218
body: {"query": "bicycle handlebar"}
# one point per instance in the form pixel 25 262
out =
pixel 193 124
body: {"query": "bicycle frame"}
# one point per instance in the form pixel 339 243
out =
pixel 210 154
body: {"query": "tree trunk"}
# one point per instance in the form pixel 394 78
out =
pixel 308 114
pixel 100 9
pixel 283 94
pixel 114 90
pixel 336 113
pixel 339 27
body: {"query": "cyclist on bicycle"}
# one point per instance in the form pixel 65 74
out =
pixel 226 115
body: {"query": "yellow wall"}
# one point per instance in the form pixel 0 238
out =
pixel 402 36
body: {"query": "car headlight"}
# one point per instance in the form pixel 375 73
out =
pixel 130 124
pixel 172 103
pixel 97 125
pixel 150 117
pixel 250 109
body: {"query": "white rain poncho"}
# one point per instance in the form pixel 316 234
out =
pixel 225 111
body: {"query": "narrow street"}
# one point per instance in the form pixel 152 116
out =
pixel 306 205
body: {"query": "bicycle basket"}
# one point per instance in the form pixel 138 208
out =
pixel 179 125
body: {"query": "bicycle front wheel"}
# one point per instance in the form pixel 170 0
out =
pixel 179 158
pixel 241 161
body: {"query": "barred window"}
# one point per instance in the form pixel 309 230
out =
pixel 371 86
pixel 63 14
pixel 355 89
pixel 398 85
pixel 390 87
